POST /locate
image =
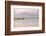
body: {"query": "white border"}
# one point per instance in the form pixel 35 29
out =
pixel 26 28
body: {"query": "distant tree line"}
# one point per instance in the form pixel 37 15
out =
pixel 21 18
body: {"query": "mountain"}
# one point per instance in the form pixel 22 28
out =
pixel 26 15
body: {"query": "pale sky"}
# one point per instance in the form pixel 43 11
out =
pixel 26 13
pixel 26 10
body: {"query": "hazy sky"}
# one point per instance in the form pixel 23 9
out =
pixel 26 10
pixel 26 13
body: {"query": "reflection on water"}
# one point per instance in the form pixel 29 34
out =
pixel 26 22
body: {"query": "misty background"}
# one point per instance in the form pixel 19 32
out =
pixel 26 17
